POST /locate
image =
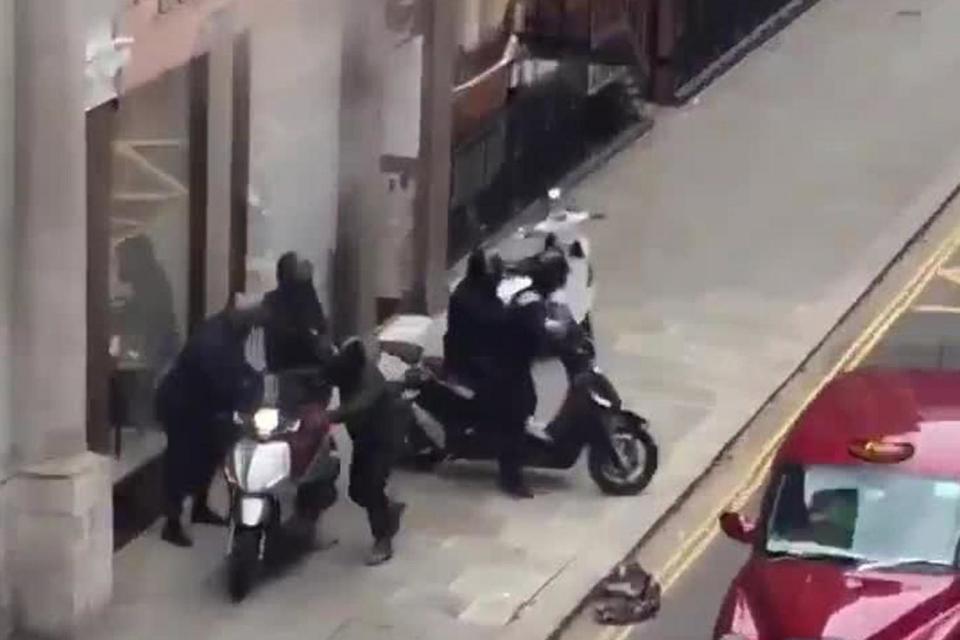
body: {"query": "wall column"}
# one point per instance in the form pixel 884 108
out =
pixel 6 309
pixel 362 198
pixel 433 184
pixel 60 553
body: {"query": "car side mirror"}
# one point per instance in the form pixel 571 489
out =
pixel 738 528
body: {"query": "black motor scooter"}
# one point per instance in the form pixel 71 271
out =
pixel 622 455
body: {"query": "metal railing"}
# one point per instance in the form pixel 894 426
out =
pixel 545 129
pixel 695 35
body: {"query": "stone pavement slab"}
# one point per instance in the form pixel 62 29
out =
pixel 739 231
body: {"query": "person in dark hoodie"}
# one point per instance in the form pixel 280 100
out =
pixel 299 349
pixel 209 381
pixel 476 318
pixel 374 415
pixel 298 335
pixel 531 333
pixel 480 348
pixel 148 314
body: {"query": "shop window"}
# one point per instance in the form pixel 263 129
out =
pixel 147 271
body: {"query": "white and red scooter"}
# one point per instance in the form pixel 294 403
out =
pixel 283 454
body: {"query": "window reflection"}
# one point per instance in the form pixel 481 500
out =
pixel 150 250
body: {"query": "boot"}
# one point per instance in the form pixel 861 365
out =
pixel 381 552
pixel 174 534
pixel 514 485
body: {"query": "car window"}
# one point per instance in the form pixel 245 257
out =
pixel 867 514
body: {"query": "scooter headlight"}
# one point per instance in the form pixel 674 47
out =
pixel 266 421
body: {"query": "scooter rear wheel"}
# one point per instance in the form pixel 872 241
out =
pixel 637 446
pixel 243 563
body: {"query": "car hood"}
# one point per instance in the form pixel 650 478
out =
pixel 788 598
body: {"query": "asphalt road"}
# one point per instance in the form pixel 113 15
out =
pixel 690 607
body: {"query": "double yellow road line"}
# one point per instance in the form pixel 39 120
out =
pixel 694 545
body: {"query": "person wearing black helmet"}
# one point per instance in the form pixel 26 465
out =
pixel 298 334
pixel 298 349
pixel 530 335
pixel 374 415
pixel 475 320
pixel 209 380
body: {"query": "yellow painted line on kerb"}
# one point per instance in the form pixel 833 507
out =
pixel 694 545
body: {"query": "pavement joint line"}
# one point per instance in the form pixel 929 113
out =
pixel 695 544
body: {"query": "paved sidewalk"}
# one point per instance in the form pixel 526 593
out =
pixel 740 229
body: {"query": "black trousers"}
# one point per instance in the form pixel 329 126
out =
pixel 370 469
pixel 511 439
pixel 195 450
pixel 314 498
pixel 506 401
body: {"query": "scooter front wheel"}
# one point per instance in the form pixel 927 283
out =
pixel 243 563
pixel 636 449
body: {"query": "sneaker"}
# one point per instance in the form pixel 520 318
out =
pixel 205 515
pixel 174 534
pixel 516 489
pixel 381 552
pixel 538 430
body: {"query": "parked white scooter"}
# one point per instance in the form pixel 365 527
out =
pixel 563 229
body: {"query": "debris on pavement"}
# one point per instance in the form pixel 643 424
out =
pixel 628 595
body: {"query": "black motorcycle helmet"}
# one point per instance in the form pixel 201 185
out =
pixel 484 270
pixel 550 271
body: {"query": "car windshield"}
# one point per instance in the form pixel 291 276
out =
pixel 870 516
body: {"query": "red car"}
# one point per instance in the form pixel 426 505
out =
pixel 859 534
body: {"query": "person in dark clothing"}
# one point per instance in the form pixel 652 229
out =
pixel 372 412
pixel 297 334
pixel 298 349
pixel 479 348
pixel 476 318
pixel 208 382
pixel 529 336
pixel 147 315
pixel 146 324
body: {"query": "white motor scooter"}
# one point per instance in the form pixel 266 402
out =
pixel 563 228
pixel 280 452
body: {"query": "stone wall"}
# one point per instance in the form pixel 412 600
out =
pixel 6 227
pixel 294 139
pixel 6 622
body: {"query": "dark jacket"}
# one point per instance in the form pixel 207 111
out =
pixel 476 320
pixel 297 334
pixel 210 378
pixel 148 315
pixel 527 339
pixel 372 409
